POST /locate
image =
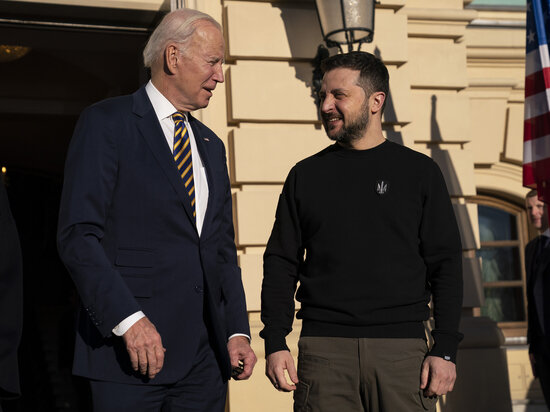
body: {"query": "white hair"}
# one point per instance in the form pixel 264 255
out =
pixel 177 26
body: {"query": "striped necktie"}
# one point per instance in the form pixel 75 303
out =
pixel 182 156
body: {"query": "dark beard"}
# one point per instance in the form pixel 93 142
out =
pixel 353 131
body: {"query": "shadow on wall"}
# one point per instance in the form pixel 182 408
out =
pixel 442 157
pixel 445 162
pixel 303 33
pixel 390 115
pixel 482 366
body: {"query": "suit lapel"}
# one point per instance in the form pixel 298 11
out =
pixel 149 127
pixel 202 142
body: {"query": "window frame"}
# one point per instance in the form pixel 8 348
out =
pixel 524 234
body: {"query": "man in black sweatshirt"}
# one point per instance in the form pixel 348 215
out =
pixel 367 229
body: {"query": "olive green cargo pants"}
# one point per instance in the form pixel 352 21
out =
pixel 360 375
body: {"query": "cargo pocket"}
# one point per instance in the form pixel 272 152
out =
pixel 428 403
pixel 301 395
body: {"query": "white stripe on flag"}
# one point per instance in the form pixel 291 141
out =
pixel 537 149
pixel 532 62
pixel 537 59
pixel 537 104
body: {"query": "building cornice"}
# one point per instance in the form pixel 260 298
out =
pixel 453 15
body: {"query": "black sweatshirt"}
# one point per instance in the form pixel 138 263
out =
pixel 369 235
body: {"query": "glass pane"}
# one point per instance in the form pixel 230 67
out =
pixel 499 263
pixel 496 224
pixel 504 304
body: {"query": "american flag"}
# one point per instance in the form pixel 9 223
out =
pixel 536 128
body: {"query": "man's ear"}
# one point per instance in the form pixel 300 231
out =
pixel 171 58
pixel 377 100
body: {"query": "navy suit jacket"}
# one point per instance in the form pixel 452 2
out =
pixel 127 236
pixel 535 295
pixel 11 300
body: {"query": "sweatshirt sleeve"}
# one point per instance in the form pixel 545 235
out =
pixel 441 250
pixel 282 259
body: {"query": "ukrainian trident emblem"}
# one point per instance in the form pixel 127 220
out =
pixel 382 187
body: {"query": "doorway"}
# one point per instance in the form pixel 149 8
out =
pixel 74 56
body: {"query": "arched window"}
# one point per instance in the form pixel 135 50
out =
pixel 503 236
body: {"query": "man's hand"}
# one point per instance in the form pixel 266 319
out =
pixel 144 346
pixel 438 376
pixel 239 350
pixel 533 365
pixel 276 364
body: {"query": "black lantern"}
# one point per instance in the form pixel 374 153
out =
pixel 346 22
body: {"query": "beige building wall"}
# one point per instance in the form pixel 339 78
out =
pixel 495 43
pixel 153 5
pixel 456 93
pixel 446 100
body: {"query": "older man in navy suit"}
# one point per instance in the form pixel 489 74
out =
pixel 146 231
pixel 537 262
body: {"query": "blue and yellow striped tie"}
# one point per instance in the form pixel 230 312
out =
pixel 182 156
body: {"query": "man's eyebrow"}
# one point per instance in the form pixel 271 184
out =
pixel 339 90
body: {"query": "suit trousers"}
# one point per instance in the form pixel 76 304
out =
pixel 201 390
pixel 360 375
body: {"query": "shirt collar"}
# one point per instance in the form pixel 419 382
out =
pixel 162 106
pixel 546 232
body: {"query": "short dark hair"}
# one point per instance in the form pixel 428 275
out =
pixel 373 74
pixel 531 193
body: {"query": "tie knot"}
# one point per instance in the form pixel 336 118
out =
pixel 178 117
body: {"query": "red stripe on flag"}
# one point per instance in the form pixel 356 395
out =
pixel 537 82
pixel 528 178
pixel 536 127
pixel 536 173
pixel 541 169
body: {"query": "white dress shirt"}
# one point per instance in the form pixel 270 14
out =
pixel 164 111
